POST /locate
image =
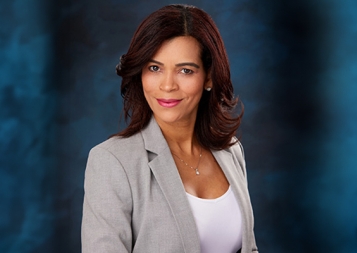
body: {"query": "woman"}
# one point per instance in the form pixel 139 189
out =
pixel 174 180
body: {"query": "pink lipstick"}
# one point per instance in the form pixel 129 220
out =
pixel 168 103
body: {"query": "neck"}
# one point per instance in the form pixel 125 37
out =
pixel 180 137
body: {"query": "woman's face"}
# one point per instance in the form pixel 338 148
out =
pixel 174 79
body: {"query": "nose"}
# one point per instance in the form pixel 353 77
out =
pixel 168 82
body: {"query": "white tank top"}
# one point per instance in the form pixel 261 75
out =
pixel 219 223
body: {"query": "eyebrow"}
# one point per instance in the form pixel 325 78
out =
pixel 178 64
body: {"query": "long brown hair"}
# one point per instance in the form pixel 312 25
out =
pixel 216 122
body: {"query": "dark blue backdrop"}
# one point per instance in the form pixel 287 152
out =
pixel 293 64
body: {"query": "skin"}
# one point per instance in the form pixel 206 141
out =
pixel 173 83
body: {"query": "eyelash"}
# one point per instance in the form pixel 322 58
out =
pixel 184 71
pixel 151 68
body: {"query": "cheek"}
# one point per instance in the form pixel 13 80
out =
pixel 194 87
pixel 196 92
pixel 147 82
pixel 145 86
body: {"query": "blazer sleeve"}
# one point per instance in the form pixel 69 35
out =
pixel 107 206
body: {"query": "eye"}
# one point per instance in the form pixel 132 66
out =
pixel 186 71
pixel 154 68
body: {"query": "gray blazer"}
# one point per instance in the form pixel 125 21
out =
pixel 135 201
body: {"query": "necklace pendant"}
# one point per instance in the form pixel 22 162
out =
pixel 183 161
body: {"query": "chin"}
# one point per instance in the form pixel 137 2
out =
pixel 172 119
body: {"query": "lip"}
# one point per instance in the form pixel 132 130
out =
pixel 168 103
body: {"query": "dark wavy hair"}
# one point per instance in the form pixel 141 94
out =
pixel 216 121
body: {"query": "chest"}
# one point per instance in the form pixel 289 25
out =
pixel 210 183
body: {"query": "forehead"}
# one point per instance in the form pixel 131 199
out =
pixel 180 47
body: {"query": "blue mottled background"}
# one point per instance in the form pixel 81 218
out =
pixel 294 65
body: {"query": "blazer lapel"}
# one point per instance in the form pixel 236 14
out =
pixel 237 181
pixel 164 169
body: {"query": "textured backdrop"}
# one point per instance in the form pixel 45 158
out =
pixel 293 64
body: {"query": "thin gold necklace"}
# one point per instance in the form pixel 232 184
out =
pixel 199 160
